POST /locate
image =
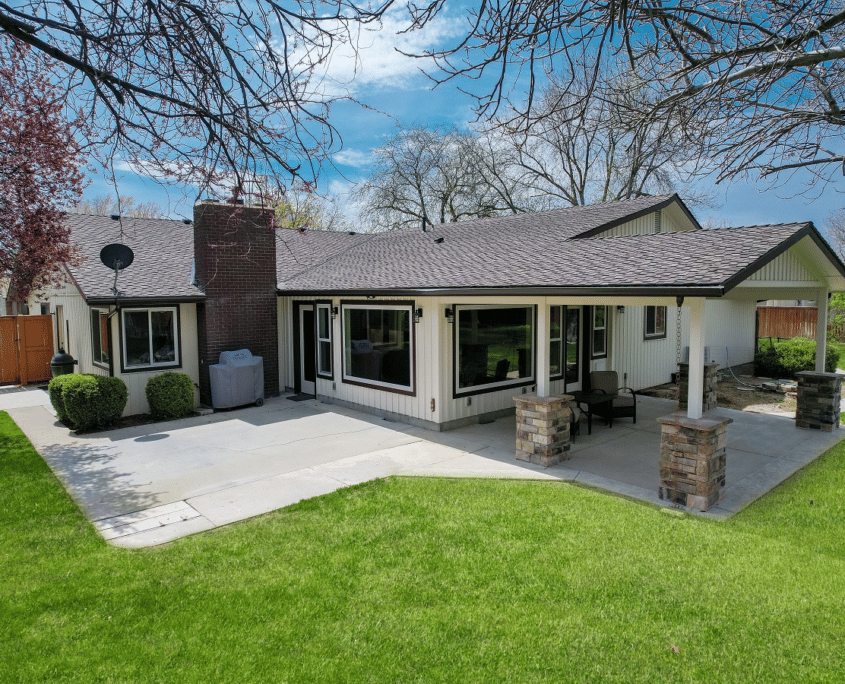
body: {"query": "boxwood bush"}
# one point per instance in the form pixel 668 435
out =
pixel 96 402
pixel 84 401
pixel 786 358
pixel 56 389
pixel 170 395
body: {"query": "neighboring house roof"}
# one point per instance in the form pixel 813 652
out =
pixel 161 270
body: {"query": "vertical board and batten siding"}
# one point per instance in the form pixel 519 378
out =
pixel 668 222
pixel 646 363
pixel 426 364
pixel 77 315
pixel 77 327
pixel 644 225
pixel 284 309
pixel 730 331
pixel 786 267
pixel 729 335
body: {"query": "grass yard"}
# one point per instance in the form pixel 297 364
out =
pixel 426 580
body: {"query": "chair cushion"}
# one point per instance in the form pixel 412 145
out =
pixel 623 400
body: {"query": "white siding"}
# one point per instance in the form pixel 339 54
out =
pixel 644 363
pixel 785 267
pixel 77 322
pixel 136 382
pixel 729 335
pixel 730 331
pixel 671 220
pixel 418 406
pixel 644 225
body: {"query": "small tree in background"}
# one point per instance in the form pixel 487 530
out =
pixel 106 205
pixel 40 171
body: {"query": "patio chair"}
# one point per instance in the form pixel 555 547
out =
pixel 623 405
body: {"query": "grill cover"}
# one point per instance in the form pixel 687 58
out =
pixel 237 379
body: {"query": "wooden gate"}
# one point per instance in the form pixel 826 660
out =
pixel 26 347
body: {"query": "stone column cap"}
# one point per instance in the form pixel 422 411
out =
pixel 816 374
pixel 537 400
pixel 703 424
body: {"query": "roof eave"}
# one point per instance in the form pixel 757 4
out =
pixel 144 301
pixel 680 290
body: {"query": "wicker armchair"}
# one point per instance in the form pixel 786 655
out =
pixel 624 404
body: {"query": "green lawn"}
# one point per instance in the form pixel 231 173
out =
pixel 427 580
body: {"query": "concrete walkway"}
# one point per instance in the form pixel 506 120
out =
pixel 150 484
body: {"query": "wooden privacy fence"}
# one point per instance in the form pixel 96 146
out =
pixel 786 322
pixel 26 347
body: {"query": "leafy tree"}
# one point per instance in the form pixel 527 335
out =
pixel 40 171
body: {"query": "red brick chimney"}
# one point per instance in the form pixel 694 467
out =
pixel 235 256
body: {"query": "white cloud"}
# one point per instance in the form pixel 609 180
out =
pixel 370 58
pixel 354 158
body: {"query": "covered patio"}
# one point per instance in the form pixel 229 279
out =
pixel 763 451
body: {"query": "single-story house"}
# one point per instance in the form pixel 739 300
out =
pixel 439 326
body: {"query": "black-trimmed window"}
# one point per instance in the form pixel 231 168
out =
pixel 655 323
pixel 494 347
pixel 378 346
pixel 598 329
pixel 100 337
pixel 564 342
pixel 324 340
pixel 150 338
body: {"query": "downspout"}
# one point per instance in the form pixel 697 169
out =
pixel 109 338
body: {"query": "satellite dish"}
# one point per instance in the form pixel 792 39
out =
pixel 116 256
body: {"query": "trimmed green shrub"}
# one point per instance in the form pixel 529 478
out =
pixel 170 395
pixel 95 401
pixel 785 359
pixel 56 390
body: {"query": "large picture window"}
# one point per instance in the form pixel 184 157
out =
pixel 150 338
pixel 655 322
pixel 100 337
pixel 494 347
pixel 378 346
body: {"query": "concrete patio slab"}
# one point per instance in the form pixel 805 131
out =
pixel 151 484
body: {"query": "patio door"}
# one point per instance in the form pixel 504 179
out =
pixel 307 350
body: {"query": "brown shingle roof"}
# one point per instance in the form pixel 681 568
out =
pixel 487 255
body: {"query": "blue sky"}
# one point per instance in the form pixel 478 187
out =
pixel 397 92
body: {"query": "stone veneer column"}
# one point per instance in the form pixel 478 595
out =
pixel 542 428
pixel 819 396
pixel 710 379
pixel 693 452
